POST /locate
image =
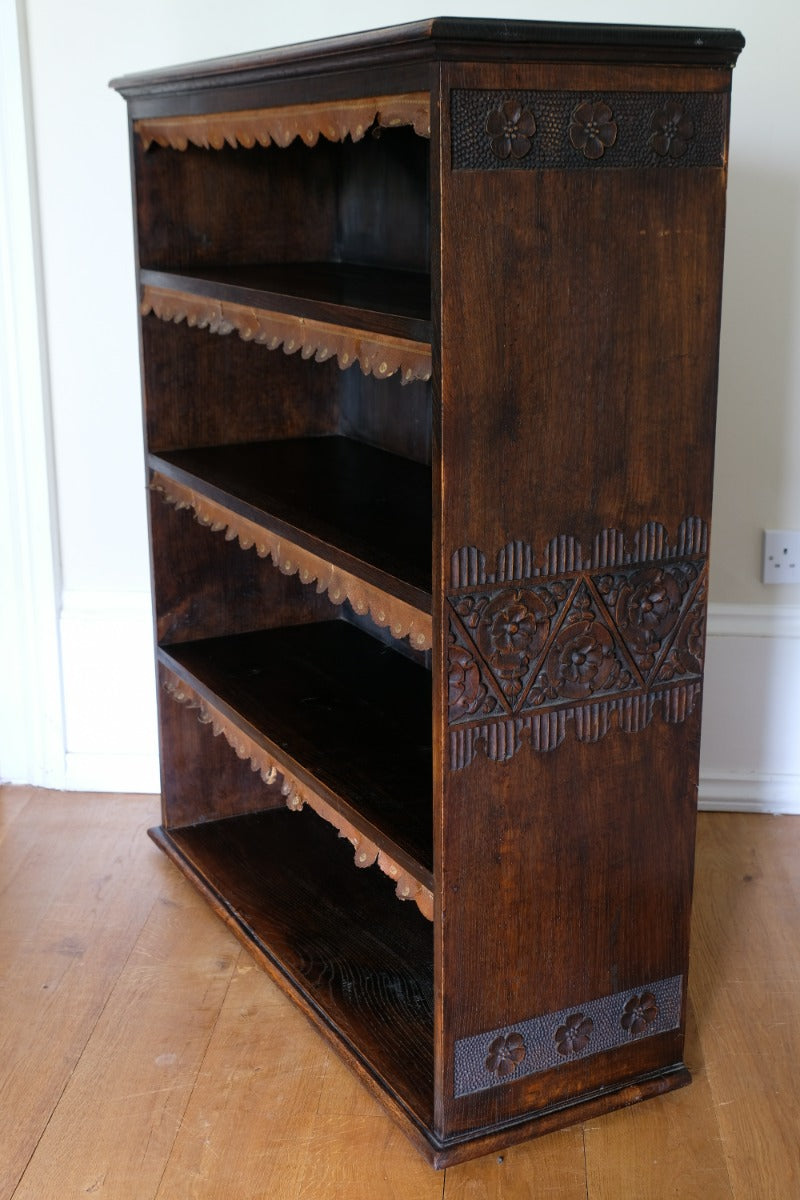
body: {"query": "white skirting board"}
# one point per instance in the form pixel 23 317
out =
pixel 750 752
pixel 109 692
pixel 750 758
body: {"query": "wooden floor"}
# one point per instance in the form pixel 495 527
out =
pixel 143 1055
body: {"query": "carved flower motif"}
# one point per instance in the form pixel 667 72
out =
pixel 466 691
pixel 648 606
pixel 582 661
pixel 639 1012
pixel 505 1054
pixel 573 1036
pixel 510 128
pixel 593 129
pixel 513 630
pixel 672 130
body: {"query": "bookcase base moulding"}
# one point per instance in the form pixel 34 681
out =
pixel 429 324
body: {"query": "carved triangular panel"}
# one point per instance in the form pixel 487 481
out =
pixel 510 628
pixel 584 660
pixel 647 605
pixel 684 658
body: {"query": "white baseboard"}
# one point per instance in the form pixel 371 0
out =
pixel 109 692
pixel 750 753
pixel 112 773
pixel 751 708
pixel 730 792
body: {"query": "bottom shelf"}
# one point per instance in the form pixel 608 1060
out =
pixel 360 964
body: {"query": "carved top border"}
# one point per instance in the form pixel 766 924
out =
pixel 334 120
pixel 564 554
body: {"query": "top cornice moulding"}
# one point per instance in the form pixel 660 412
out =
pixel 442 38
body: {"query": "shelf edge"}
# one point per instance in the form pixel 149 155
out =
pixel 387 611
pixel 378 354
pixel 332 119
pixel 297 793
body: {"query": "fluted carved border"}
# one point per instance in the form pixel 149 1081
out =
pixel 501 739
pixel 378 354
pixel 401 619
pixel 332 119
pixel 298 795
pixel 563 554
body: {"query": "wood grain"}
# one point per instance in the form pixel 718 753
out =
pixel 366 981
pixel 747 978
pixel 346 203
pixel 255 1105
pixel 68 922
pixel 260 1059
pixel 140 1067
pixel 608 827
pixel 673 1150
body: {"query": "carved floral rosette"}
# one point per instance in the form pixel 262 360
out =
pixel 402 620
pixel 550 1041
pixel 297 794
pixel 382 355
pixel 599 639
pixel 332 119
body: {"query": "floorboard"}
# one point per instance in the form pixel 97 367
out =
pixel 144 1056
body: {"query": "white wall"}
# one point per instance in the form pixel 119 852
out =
pixel 752 710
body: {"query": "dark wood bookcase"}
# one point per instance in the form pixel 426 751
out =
pixel 429 337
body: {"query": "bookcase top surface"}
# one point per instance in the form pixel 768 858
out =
pixel 447 38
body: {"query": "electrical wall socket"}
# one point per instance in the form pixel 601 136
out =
pixel 781 556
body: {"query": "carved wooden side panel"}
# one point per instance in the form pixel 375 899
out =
pixel 400 618
pixel 577 423
pixel 607 638
pixel 298 794
pixel 334 120
pixel 378 354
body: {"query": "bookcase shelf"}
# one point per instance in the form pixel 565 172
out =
pixel 359 963
pixel 323 703
pixel 377 299
pixel 476 521
pixel 369 509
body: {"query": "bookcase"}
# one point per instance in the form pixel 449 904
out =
pixel 429 338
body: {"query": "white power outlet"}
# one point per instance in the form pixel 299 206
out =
pixel 781 556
